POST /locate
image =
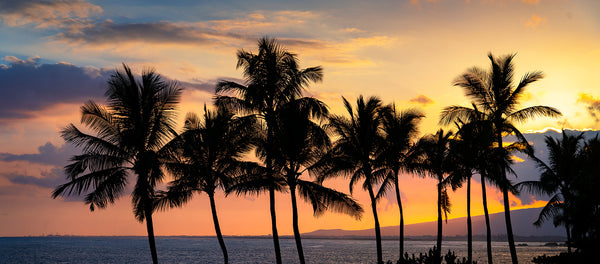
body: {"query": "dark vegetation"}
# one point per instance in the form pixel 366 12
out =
pixel 431 257
pixel 299 145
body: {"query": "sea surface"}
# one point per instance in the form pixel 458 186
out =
pixel 23 250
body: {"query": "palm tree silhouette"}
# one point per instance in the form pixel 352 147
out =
pixel 474 151
pixel 272 78
pixel 356 153
pixel 299 143
pixel 585 213
pixel 206 156
pixel 557 179
pixel 129 133
pixel 400 129
pixel 438 162
pixel 498 98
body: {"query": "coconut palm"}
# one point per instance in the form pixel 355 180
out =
pixel 299 143
pixel 400 129
pixel 206 157
pixel 356 152
pixel 272 78
pixel 557 179
pixel 585 230
pixel 498 98
pixel 474 151
pixel 129 132
pixel 438 162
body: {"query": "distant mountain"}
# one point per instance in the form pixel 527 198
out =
pixel 522 223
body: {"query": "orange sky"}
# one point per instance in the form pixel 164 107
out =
pixel 406 52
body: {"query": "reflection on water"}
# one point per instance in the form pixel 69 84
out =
pixel 241 250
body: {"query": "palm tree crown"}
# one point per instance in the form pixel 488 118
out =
pixel 129 132
pixel 558 178
pixel 206 157
pixel 400 129
pixel 357 152
pixel 498 99
pixel 272 79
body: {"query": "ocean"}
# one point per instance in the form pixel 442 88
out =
pixel 66 250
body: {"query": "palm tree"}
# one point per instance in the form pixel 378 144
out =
pixel 206 156
pixel 474 151
pixel 356 153
pixel 557 179
pixel 438 162
pixel 400 128
pixel 585 230
pixel 129 132
pixel 498 98
pixel 272 78
pixel 299 143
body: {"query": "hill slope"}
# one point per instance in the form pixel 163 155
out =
pixel 522 222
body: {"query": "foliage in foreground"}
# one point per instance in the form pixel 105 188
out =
pixel 430 258
pixel 563 258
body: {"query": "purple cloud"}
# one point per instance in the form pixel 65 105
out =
pixel 422 100
pixel 47 154
pixel 28 86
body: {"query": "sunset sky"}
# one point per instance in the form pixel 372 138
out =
pixel 56 55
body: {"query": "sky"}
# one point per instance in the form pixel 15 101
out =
pixel 56 55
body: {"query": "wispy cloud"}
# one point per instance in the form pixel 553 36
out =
pixel 418 2
pixel 108 32
pixel 422 100
pixel 592 105
pixel 228 32
pixel 535 21
pixel 44 14
pixel 49 179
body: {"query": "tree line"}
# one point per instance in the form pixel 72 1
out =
pixel 301 144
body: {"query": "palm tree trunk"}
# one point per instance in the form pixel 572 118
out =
pixel 567 226
pixel 295 225
pixel 269 163
pixel 438 251
pixel 274 225
pixel 150 229
pixel 218 228
pixel 509 232
pixel 377 231
pixel 401 238
pixel 469 224
pixel 488 231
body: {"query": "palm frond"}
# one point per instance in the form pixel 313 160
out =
pixel 323 199
pixel 532 112
pixel 551 209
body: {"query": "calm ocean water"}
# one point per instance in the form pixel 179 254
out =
pixel 23 250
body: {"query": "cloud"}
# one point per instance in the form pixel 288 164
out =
pixel 418 2
pixel 49 179
pixel 232 32
pixel 592 105
pixel 422 100
pixel 535 21
pixel 108 32
pixel 47 154
pixel 534 2
pixel 352 30
pixel 27 86
pixel 45 14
